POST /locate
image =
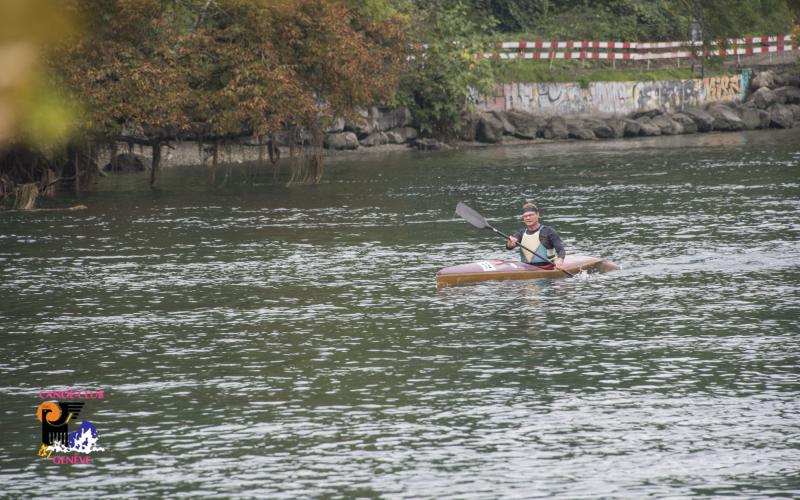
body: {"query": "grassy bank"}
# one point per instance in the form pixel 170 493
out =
pixel 585 72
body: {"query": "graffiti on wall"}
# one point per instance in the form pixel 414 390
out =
pixel 518 95
pixel 613 97
pixel 747 74
pixel 669 95
pixel 722 88
pixel 559 98
pixel 474 98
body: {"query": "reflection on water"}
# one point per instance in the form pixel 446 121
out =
pixel 284 342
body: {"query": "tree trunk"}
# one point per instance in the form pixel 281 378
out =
pixel 314 160
pixel 274 156
pixel 48 183
pixel 228 167
pixel 212 172
pixel 75 157
pixel 26 196
pixel 156 163
pixel 112 151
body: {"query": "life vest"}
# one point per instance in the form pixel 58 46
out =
pixel 532 241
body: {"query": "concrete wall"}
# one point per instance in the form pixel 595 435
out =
pixel 614 98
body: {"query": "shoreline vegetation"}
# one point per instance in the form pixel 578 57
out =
pixel 88 82
pixel 773 102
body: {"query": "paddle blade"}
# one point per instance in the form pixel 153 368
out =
pixel 471 216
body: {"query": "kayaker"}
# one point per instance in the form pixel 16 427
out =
pixel 538 237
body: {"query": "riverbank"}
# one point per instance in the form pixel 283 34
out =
pixel 763 99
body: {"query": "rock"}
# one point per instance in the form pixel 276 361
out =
pixel 795 109
pixel 376 139
pixel 541 123
pixel 725 118
pixel 650 113
pixel 402 135
pixel 787 95
pixel 364 125
pixel 599 128
pixel 508 128
pixel 780 116
pixel 341 141
pixel 667 125
pixel 577 130
pixel 792 81
pixel 781 79
pixel 604 132
pixel 749 104
pixel 489 128
pixel 287 138
pixel 394 138
pixel 704 121
pixel 390 118
pixel 430 145
pixel 334 125
pixel 126 162
pixel 526 125
pixel 617 126
pixel 632 127
pixel 763 79
pixel 689 125
pixel 750 117
pixel 763 98
pixel 556 129
pixel 647 128
pixel 763 116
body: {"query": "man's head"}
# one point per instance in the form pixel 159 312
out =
pixel 530 214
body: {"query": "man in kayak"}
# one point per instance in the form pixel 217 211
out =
pixel 544 240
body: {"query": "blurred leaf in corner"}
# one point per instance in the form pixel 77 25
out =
pixel 33 108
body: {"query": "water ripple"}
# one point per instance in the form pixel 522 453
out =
pixel 292 342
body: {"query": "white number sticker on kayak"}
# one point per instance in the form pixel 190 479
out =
pixel 487 266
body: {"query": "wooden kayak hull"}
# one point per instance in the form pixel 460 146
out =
pixel 497 270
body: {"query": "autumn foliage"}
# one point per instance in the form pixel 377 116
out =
pixel 154 71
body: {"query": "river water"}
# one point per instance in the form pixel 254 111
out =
pixel 264 340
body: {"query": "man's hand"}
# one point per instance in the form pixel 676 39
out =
pixel 559 263
pixel 511 243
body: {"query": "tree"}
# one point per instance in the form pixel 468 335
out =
pixel 213 70
pixel 344 60
pixel 444 69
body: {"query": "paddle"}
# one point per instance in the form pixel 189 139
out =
pixel 478 221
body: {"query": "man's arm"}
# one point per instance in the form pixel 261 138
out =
pixel 512 241
pixel 551 239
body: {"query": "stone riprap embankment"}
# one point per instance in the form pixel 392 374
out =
pixel 773 101
pixel 373 127
pixel 770 99
pixel 766 99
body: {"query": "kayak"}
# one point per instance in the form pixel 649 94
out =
pixel 499 270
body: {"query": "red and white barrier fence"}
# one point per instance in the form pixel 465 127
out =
pixel 754 45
